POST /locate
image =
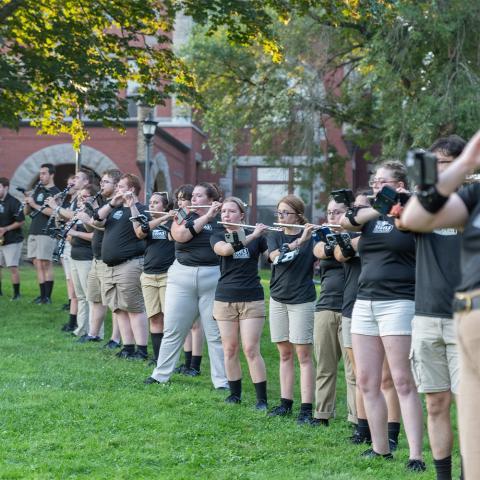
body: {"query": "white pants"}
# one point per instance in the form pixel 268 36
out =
pixel 190 293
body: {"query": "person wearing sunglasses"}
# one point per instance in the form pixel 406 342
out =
pixel 292 305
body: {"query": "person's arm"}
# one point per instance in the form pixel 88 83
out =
pixel 104 211
pixel 225 249
pixel 182 233
pixel 339 256
pixel 9 228
pixel 360 217
pixel 83 235
pixel 297 243
pixel 154 223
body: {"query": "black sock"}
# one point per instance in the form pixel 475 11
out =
pixel 48 288
pixel 16 289
pixel 443 468
pixel 1 293
pixel 129 349
pixel 235 387
pixel 188 358
pixel 306 408
pixel 261 390
pixel 196 361
pixel 287 403
pixel 72 322
pixel 42 290
pixel 156 343
pixel 461 467
pixel 393 431
pixel 363 429
pixel 143 349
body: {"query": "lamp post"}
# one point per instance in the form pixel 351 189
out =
pixel 149 127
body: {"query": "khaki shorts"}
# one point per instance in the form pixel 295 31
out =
pixel 153 288
pixel 122 287
pixel 40 247
pixel 10 254
pixel 292 322
pixel 94 282
pixel 434 354
pixel 347 332
pixel 236 311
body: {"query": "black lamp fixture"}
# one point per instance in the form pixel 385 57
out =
pixel 149 128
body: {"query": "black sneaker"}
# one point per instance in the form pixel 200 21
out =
pixel 150 381
pixel 304 418
pixel 233 399
pixel 46 301
pixel 191 372
pixel 65 307
pixel 123 354
pixel 152 362
pixel 180 369
pixel 371 453
pixel 92 338
pixel 280 411
pixel 83 339
pixel 138 355
pixel 319 422
pixel 357 439
pixel 69 328
pixel 15 297
pixel 38 300
pixel 392 444
pixel 414 465
pixel 261 405
pixel 112 344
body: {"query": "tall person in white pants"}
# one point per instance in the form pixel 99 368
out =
pixel 191 284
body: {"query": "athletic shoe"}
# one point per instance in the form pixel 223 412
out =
pixel 138 355
pixel 319 422
pixel 358 439
pixel 305 418
pixel 92 338
pixel 124 354
pixel 65 307
pixel 46 301
pixel 15 297
pixel 392 444
pixel 280 411
pixel 233 399
pixel 222 388
pixel 371 453
pixel 69 328
pixel 191 372
pixel 83 339
pixel 150 381
pixel 180 369
pixel 261 405
pixel 112 344
pixel 414 465
pixel 38 300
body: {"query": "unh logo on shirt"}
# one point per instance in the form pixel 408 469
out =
pixel 159 234
pixel 208 227
pixel 446 232
pixel 382 226
pixel 2 208
pixel 40 198
pixel 242 254
pixel 118 214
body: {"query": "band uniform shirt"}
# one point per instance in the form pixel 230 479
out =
pixel 239 280
pixel 352 269
pixel 96 243
pixel 388 261
pixel 470 256
pixel 332 280
pixel 438 272
pixel 292 282
pixel 159 251
pixel 120 242
pixel 10 212
pixel 39 221
pixel 198 252
pixel 81 248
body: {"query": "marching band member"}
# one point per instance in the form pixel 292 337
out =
pixel 11 237
pixel 191 284
pixel 292 305
pixel 239 301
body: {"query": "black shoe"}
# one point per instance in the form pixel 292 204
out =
pixel 150 381
pixel 153 362
pixel 233 399
pixel 46 301
pixel 319 422
pixel 91 338
pixel 415 465
pixel 124 354
pixel 15 297
pixel 65 307
pixel 371 453
pixel 392 444
pixel 221 389
pixel 112 344
pixel 358 439
pixel 180 369
pixel 261 405
pixel 191 372
pixel 69 328
pixel 38 300
pixel 83 339
pixel 305 418
pixel 138 355
pixel 280 411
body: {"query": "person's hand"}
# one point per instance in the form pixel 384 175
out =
pixel 3 231
pixel 83 217
pixel 214 209
pixel 129 199
pixel 260 229
pixel 117 199
pixel 51 202
pixel 29 200
pixel 471 152
pixel 306 234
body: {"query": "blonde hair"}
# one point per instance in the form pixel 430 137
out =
pixel 297 205
pixel 238 202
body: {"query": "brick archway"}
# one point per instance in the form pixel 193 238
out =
pixel 63 153
pixel 160 164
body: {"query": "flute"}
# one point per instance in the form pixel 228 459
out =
pixel 252 227
pixel 316 227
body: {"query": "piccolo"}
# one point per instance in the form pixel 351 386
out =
pixel 316 227
pixel 251 227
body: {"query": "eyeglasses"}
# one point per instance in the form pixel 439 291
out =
pixel 284 213
pixel 105 181
pixel 335 212
pixel 375 181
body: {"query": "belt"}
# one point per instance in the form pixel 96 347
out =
pixel 465 302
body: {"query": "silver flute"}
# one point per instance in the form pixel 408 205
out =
pixel 315 227
pixel 250 227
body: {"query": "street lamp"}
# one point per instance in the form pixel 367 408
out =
pixel 149 127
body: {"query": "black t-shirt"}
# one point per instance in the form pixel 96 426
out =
pixel 160 251
pixel 470 257
pixel 119 240
pixel 437 272
pixel 239 280
pixel 388 262
pixel 352 270
pixel 292 282
pixel 11 212
pixel 332 280
pixel 197 252
pixel 97 241
pixel 39 221
pixel 81 248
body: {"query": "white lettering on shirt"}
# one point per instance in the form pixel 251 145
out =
pixel 382 226
pixel 446 231
pixel 207 227
pixel 159 234
pixel 242 254
pixel 118 215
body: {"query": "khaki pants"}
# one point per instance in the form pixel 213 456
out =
pixel 468 325
pixel 79 270
pixel 328 345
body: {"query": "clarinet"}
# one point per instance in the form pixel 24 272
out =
pixel 43 207
pixel 63 234
pixel 34 192
pixel 60 196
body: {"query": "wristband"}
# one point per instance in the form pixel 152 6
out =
pixel 328 250
pixel 431 200
pixel 145 228
pixel 190 225
pixel 237 246
pixel 350 214
pixel 347 251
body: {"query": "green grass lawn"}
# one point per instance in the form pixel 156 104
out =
pixel 73 410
